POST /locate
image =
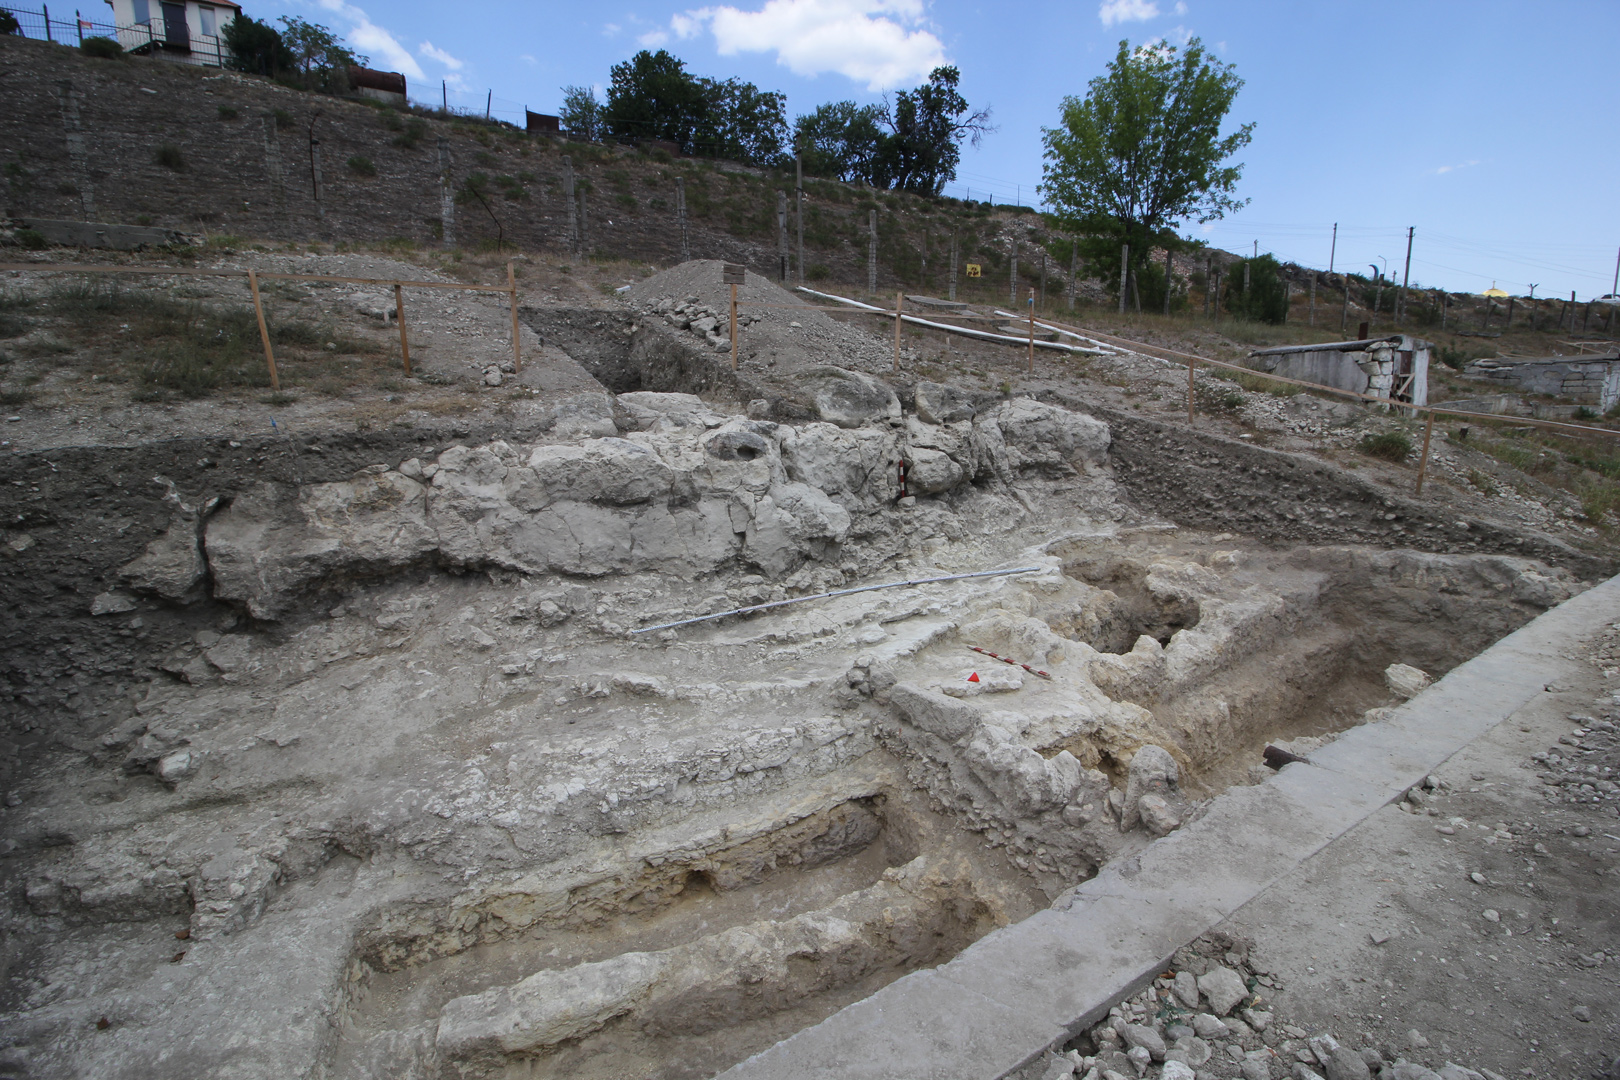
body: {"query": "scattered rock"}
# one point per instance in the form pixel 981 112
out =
pixel 1176 1070
pixel 1405 681
pixel 1185 987
pixel 112 603
pixel 1206 1025
pixel 1145 1037
pixel 1582 1013
pixel 1152 771
pixel 1157 815
pixel 1223 987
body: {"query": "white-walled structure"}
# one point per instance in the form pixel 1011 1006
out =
pixel 187 31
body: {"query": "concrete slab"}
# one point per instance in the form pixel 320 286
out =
pixel 1019 990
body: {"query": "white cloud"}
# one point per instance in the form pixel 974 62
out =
pixel 1118 11
pixel 369 38
pixel 611 29
pixel 880 43
pixel 1181 8
pixel 653 39
pixel 433 52
pixel 531 61
pixel 1442 170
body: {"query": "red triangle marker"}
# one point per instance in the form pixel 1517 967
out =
pixel 973 677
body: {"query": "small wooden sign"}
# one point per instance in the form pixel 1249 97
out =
pixel 733 274
pixel 972 269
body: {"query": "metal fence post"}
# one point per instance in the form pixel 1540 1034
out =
pixel 899 305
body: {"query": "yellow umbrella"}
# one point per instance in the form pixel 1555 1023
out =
pixel 1493 291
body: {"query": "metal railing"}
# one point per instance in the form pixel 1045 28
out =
pixel 150 37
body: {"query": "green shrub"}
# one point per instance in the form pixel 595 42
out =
pixel 416 130
pixel 226 112
pixel 818 272
pixel 284 118
pixel 104 47
pixel 362 166
pixel 1391 446
pixel 169 156
pixel 32 239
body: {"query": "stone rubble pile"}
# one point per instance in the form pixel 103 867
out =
pixel 1210 1017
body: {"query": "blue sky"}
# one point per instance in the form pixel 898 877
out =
pixel 1491 128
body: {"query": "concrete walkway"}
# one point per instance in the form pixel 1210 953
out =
pixel 1022 989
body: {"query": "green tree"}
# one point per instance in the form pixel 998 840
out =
pixel 8 23
pixel 743 122
pixel 319 56
pixel 840 140
pixel 926 129
pixel 653 96
pixel 256 47
pixel 581 112
pixel 1266 297
pixel 1143 152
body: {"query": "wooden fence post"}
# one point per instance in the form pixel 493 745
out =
pixel 399 317
pixel 264 331
pixel 733 326
pixel 511 291
pixel 1423 462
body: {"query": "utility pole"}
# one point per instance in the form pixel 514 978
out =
pixel 781 236
pixel 952 294
pixel 1074 268
pixel 1014 278
pixel 798 210
pixel 1313 298
pixel 1334 249
pixel 871 253
pixel 1378 288
pixel 1124 271
pixel 1344 319
pixel 1534 310
pixel 1167 266
pixel 1406 278
pixel 680 213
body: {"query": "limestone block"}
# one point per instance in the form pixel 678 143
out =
pixel 937 404
pixel 172 566
pixel 1405 681
pixel 1046 436
pixel 1152 772
pixel 850 399
pixel 932 472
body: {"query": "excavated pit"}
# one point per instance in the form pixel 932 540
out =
pixel 391 786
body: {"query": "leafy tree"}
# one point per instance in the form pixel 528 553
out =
pixel 840 140
pixel 1265 299
pixel 653 96
pixel 1143 151
pixel 8 23
pixel 745 123
pixel 581 112
pixel 319 55
pixel 256 47
pixel 926 129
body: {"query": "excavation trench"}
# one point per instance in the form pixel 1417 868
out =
pixel 394 740
pixel 678 961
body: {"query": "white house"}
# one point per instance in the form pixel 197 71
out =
pixel 187 31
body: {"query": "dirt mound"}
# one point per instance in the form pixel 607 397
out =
pixel 779 332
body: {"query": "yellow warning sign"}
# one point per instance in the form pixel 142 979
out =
pixel 972 269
